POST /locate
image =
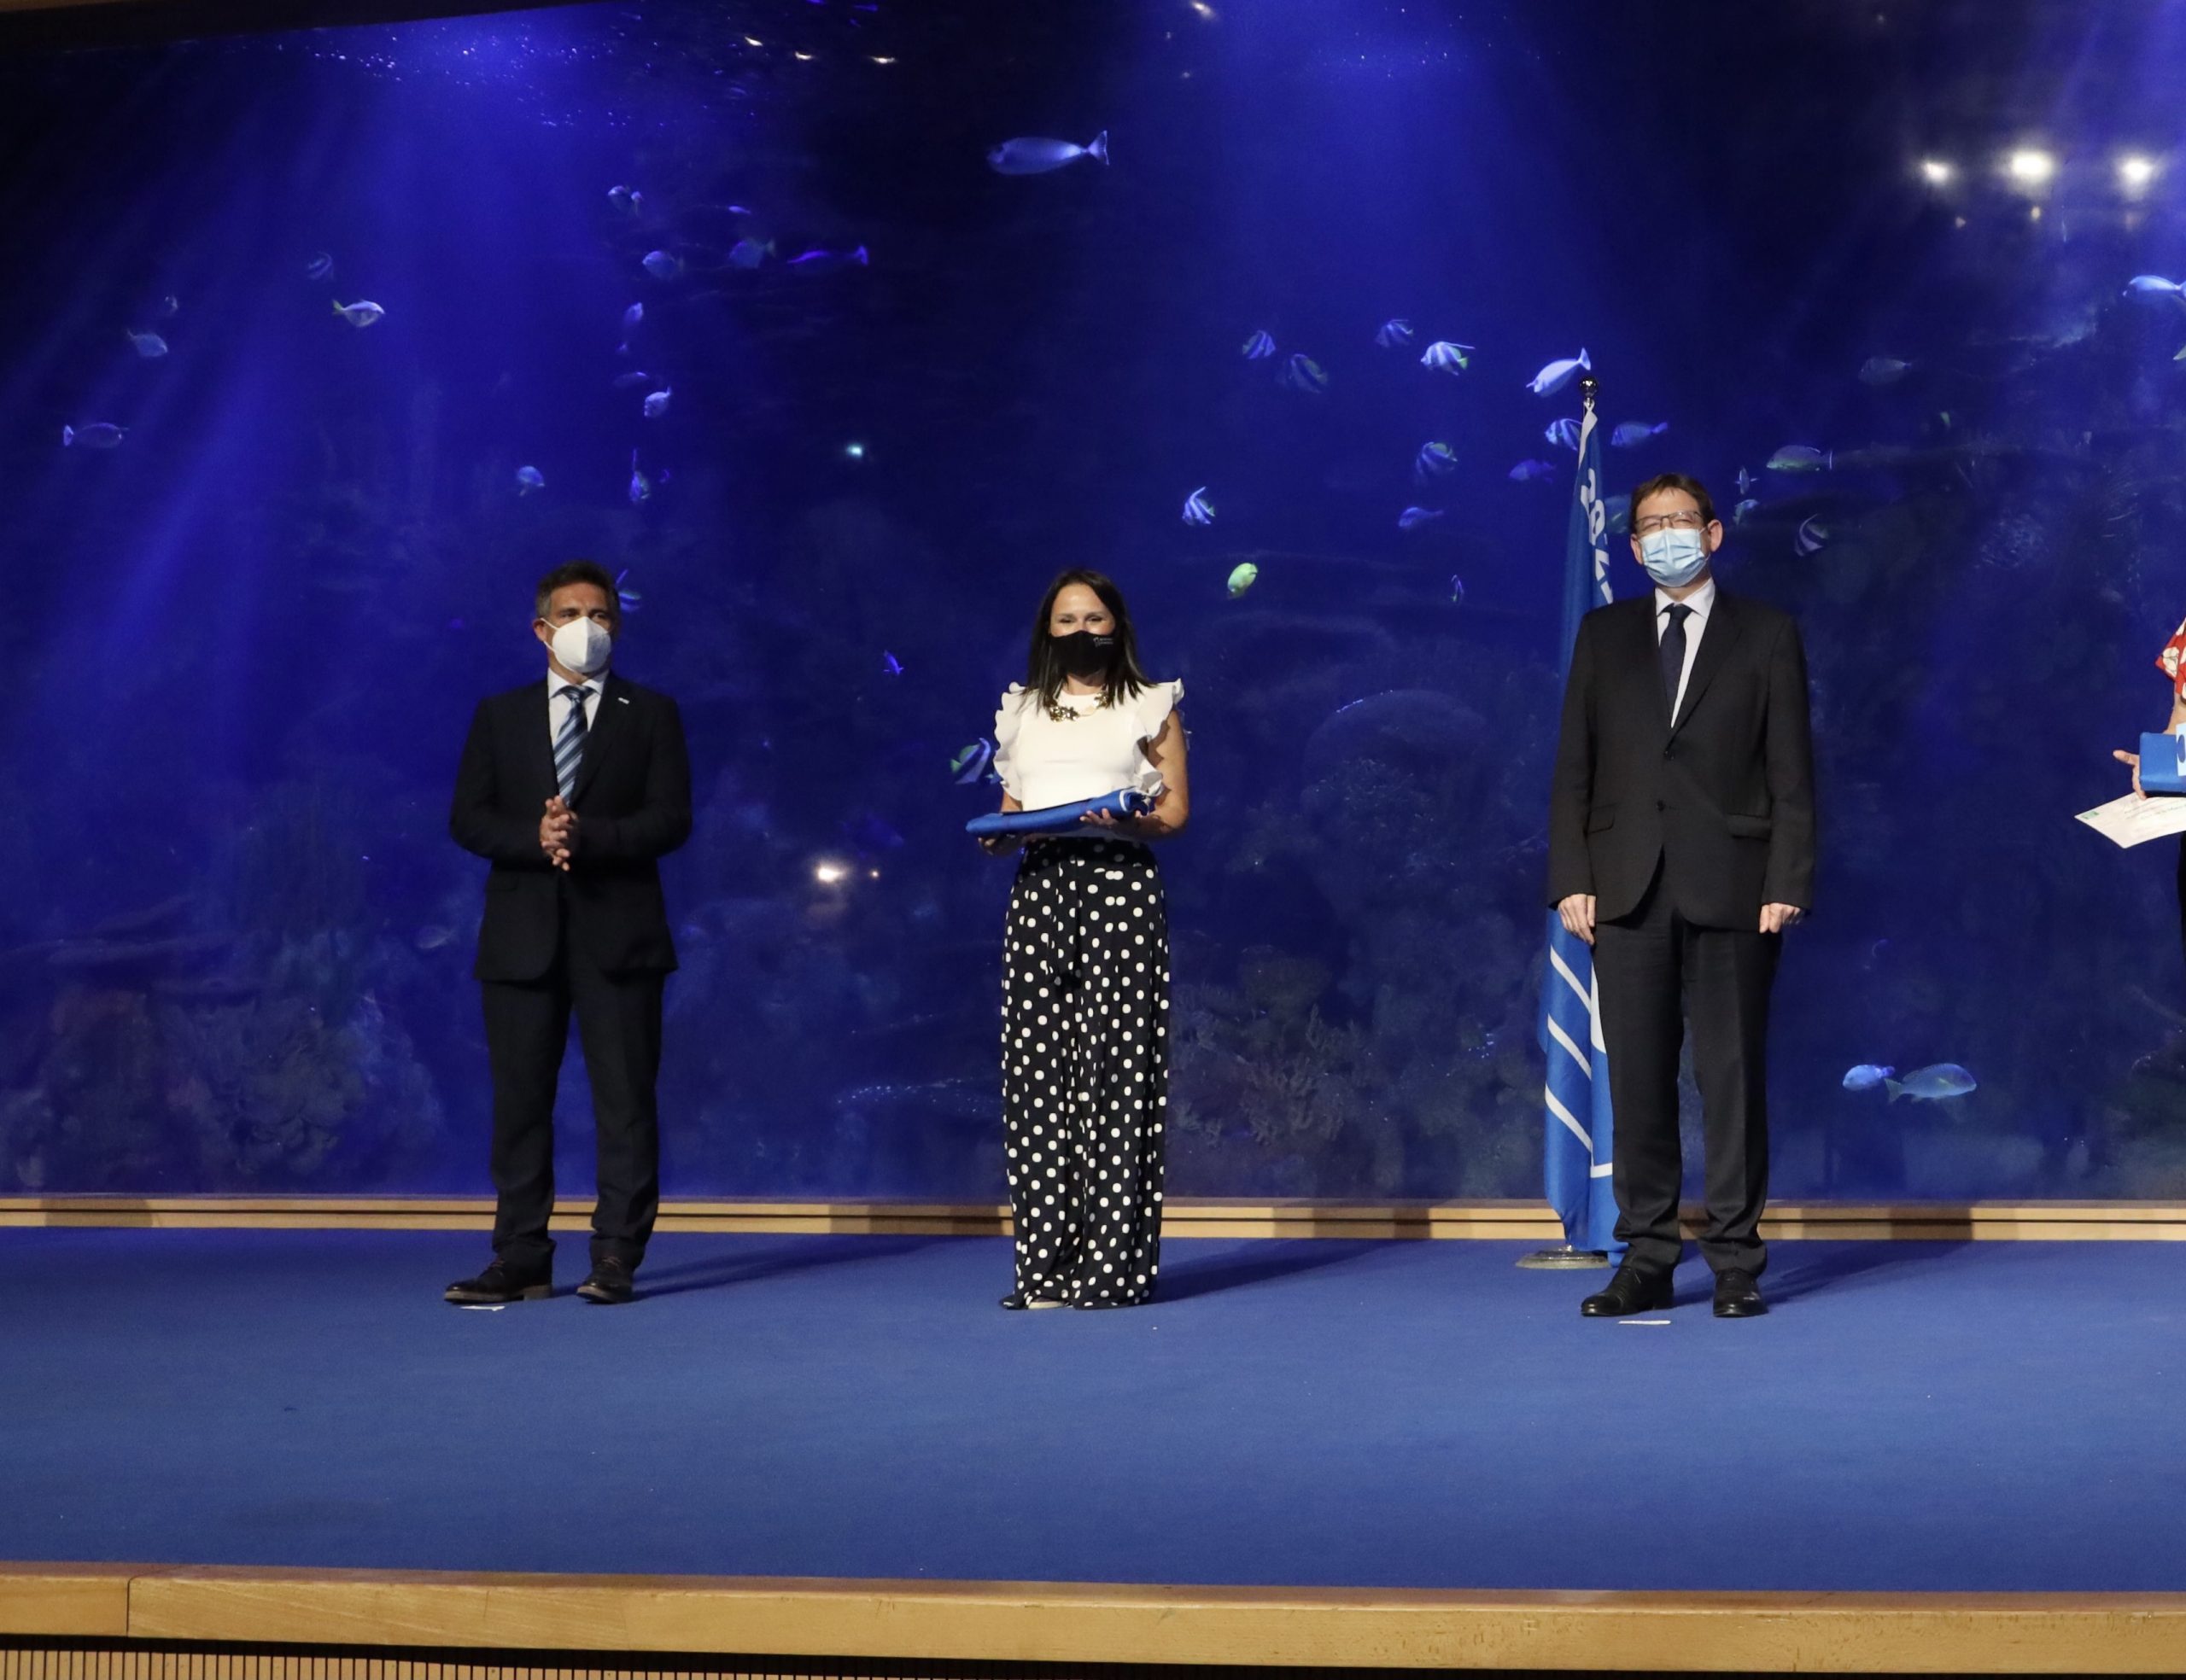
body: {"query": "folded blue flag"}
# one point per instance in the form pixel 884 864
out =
pixel 2163 764
pixel 1060 818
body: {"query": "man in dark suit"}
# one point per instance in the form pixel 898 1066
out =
pixel 572 788
pixel 1681 842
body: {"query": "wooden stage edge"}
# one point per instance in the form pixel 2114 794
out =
pixel 1020 1622
pixel 1505 1220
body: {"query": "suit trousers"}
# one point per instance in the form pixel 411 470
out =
pixel 527 1029
pixel 1657 969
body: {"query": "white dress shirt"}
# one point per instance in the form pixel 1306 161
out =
pixel 557 709
pixel 1701 601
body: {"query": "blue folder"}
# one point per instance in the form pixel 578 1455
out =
pixel 2163 764
pixel 1060 818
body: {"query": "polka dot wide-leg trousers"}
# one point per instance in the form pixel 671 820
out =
pixel 1085 1069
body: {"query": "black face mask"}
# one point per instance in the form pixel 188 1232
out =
pixel 1085 655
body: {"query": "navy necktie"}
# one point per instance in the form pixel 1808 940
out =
pixel 569 745
pixel 1674 653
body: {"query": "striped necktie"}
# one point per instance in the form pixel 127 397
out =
pixel 569 745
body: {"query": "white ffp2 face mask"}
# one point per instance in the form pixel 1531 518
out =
pixel 582 646
pixel 1674 557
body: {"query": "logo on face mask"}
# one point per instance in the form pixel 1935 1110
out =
pixel 1085 655
pixel 1674 557
pixel 582 645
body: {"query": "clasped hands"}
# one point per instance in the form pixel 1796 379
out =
pixel 557 833
pixel 1577 913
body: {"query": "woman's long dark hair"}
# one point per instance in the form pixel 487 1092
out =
pixel 1044 671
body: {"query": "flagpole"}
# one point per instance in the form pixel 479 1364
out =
pixel 1566 1256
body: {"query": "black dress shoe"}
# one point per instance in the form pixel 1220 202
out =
pixel 609 1284
pixel 1634 1289
pixel 1736 1296
pixel 499 1284
pixel 1018 1300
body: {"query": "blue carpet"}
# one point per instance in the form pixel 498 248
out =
pixel 1914 1416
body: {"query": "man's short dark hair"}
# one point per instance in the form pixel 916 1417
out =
pixel 1685 481
pixel 575 571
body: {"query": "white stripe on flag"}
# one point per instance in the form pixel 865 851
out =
pixel 1586 1062
pixel 1570 979
pixel 1601 1170
pixel 1577 1130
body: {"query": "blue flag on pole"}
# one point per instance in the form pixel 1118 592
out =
pixel 1577 1149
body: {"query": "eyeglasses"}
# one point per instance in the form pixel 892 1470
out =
pixel 1683 521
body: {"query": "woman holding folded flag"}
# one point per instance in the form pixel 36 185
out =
pixel 2171 662
pixel 1086 966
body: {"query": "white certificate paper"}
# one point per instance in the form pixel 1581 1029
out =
pixel 2132 820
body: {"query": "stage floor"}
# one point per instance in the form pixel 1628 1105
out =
pixel 1914 1416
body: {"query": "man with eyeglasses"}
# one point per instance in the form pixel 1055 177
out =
pixel 1681 843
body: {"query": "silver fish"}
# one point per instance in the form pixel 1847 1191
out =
pixel 148 344
pixel 1526 471
pixel 660 264
pixel 1413 517
pixel 1798 458
pixel 528 479
pixel 1933 1084
pixel 1631 433
pixel 657 402
pixel 632 380
pixel 640 486
pixel 824 262
pixel 1198 510
pixel 1743 511
pixel 1034 156
pixel 99 435
pixel 1866 1076
pixel 1746 482
pixel 633 315
pixel 2155 285
pixel 1258 347
pixel 630 600
pixel 1302 373
pixel 360 314
pixel 749 253
pixel 1395 334
pixel 1557 374
pixel 1883 370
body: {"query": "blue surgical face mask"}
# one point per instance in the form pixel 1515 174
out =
pixel 1674 557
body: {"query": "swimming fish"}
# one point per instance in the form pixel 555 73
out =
pixel 660 266
pixel 1302 373
pixel 1526 471
pixel 1242 579
pixel 749 253
pixel 1740 514
pixel 969 765
pixel 1796 458
pixel 1932 1084
pixel 627 198
pixel 170 307
pixel 657 402
pixel 1564 432
pixel 1557 374
pixel 1812 535
pixel 1435 460
pixel 1631 433
pixel 1258 347
pixel 629 598
pixel 1033 156
pixel 1413 517
pixel 360 314
pixel 1883 370
pixel 1457 590
pixel 432 938
pixel 319 267
pixel 99 435
pixel 1198 510
pixel 640 486
pixel 1619 509
pixel 632 380
pixel 1866 1076
pixel 1395 334
pixel 1746 482
pixel 528 479
pixel 889 665
pixel 2155 285
pixel 148 344
pixel 633 315
pixel 824 262
pixel 1445 356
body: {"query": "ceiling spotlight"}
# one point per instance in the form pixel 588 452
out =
pixel 2135 172
pixel 1935 172
pixel 828 874
pixel 855 451
pixel 2031 167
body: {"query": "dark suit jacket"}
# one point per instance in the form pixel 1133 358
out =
pixel 1725 798
pixel 632 802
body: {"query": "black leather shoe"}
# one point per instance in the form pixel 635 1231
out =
pixel 499 1284
pixel 1634 1289
pixel 609 1284
pixel 1018 1300
pixel 1736 1296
